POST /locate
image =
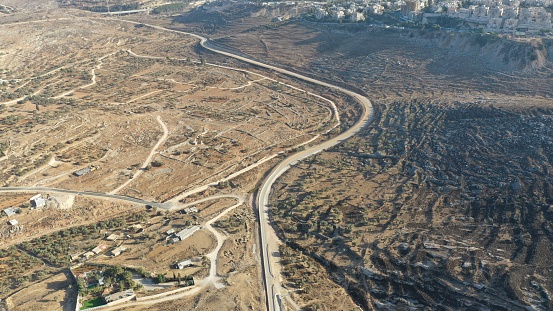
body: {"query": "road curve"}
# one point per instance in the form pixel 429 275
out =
pixel 212 277
pixel 267 240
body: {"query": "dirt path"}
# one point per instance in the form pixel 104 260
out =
pixel 238 87
pixel 149 158
pixel 93 72
pixel 212 277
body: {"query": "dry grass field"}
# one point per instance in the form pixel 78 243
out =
pixel 98 100
pixel 148 117
pixel 443 203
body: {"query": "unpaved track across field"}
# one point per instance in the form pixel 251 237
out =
pixel 153 152
pixel 268 239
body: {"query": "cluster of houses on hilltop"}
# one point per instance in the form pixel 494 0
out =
pixel 86 255
pixel 502 16
pixel 497 17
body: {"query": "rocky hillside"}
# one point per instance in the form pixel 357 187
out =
pixel 27 5
pixel 500 53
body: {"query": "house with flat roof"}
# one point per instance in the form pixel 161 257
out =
pixel 100 248
pixel 88 255
pixel 10 211
pixel 191 210
pixel 112 237
pixel 183 264
pixel 117 251
pixel 81 172
pixel 13 222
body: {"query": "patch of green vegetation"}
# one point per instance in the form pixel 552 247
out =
pixel 449 22
pixel 160 278
pixel 232 224
pixel 483 39
pixel 157 163
pixel 55 248
pixel 92 303
pixel 171 7
pixel 113 8
pixel 46 101
pixel 116 278
pixel 3 149
pixel 17 269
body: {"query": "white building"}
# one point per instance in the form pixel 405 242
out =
pixel 38 202
pixel 183 264
pixel 117 251
pixel 337 14
pixel 480 15
pixel 356 17
pixel 190 210
pixel 461 13
pixel 112 237
pixel 10 211
pixel 184 234
pixel 100 248
pixel 510 12
pixel 376 9
pixel 534 19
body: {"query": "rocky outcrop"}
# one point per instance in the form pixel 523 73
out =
pixel 499 53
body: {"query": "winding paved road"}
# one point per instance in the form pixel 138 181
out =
pixel 268 238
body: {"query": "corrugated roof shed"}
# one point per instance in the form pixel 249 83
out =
pixel 10 211
pixel 81 172
pixel 187 232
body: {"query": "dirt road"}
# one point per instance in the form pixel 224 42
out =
pixel 139 172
